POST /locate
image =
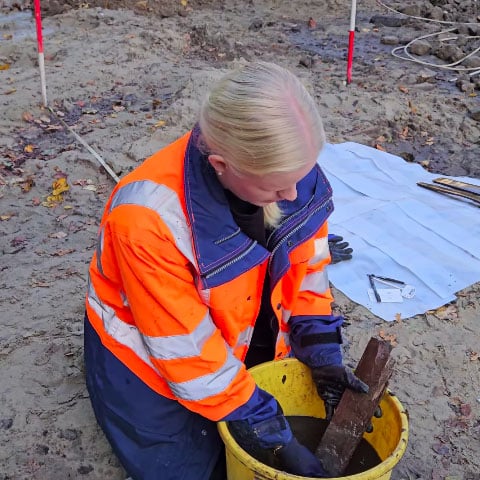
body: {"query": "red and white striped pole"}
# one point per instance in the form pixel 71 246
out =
pixel 351 39
pixel 41 60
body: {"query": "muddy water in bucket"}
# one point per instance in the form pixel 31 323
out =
pixel 290 382
pixel 309 431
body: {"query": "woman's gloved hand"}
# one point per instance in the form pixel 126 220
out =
pixel 274 435
pixel 299 460
pixel 339 251
pixel 331 381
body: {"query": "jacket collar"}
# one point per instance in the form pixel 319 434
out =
pixel 222 250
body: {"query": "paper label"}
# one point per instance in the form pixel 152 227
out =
pixel 387 295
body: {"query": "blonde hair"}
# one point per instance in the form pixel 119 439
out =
pixel 261 119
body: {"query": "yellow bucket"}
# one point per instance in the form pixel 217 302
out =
pixel 290 382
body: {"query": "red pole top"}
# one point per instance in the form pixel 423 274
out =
pixel 38 20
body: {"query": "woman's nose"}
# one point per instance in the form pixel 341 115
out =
pixel 288 194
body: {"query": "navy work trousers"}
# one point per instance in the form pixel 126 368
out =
pixel 155 438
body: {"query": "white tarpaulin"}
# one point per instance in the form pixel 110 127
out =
pixel 399 230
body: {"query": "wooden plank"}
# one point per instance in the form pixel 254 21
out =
pixel 451 192
pixel 355 410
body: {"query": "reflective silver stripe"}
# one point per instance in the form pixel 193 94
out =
pixel 181 346
pixel 100 250
pixel 283 336
pixel 208 385
pixel 321 250
pixel 316 282
pixel 244 337
pixel 165 202
pixel 122 332
pixel 204 294
pixel 129 335
pixel 124 299
pixel 286 314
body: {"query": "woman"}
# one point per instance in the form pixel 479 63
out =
pixel 211 258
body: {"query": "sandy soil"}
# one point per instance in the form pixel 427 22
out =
pixel 129 80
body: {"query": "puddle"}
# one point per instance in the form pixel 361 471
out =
pixel 18 26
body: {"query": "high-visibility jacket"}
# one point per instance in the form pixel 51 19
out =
pixel 175 286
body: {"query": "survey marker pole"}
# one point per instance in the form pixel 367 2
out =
pixel 351 39
pixel 41 59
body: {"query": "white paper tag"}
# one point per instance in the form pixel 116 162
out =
pixel 408 291
pixel 387 295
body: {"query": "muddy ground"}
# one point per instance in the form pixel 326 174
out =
pixel 128 77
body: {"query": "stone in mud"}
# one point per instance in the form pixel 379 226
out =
pixel 449 53
pixel 411 10
pixel 464 84
pixel 387 21
pixel 472 62
pixel 475 114
pixel 390 40
pixel 420 47
pixel 436 13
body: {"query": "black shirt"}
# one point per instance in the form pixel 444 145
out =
pixel 249 218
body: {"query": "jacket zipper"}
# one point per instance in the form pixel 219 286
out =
pixel 294 230
pixel 275 248
pixel 231 262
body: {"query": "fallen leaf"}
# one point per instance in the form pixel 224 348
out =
pixel 160 123
pixel 61 253
pixel 40 284
pixel 388 337
pixel 184 3
pixel 312 23
pixel 9 92
pixel 466 409
pixel 59 186
pixel 53 128
pixel 27 184
pixel 58 235
pixel 4 66
pixel 441 449
pixel 118 108
pixel 473 355
pixel 379 147
pixel 92 188
pixel 3 218
pixel 447 312
pixel 27 117
pixel 45 119
pixel 403 89
pixel 29 148
pixel 412 107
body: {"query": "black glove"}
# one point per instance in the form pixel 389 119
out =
pixel 299 460
pixel 331 381
pixel 273 437
pixel 339 250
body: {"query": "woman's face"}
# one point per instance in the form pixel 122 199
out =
pixel 260 190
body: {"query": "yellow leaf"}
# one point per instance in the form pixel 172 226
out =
pixel 184 2
pixel 67 207
pixel 160 123
pixel 59 186
pixel 28 148
pixel 5 217
pixel 4 66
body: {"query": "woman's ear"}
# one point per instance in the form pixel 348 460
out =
pixel 218 163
